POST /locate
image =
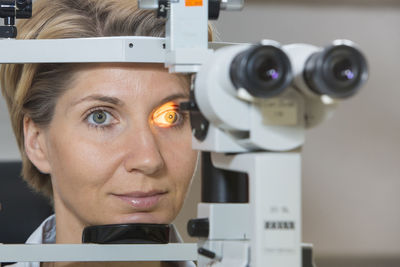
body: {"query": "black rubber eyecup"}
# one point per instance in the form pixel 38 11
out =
pixel 264 71
pixel 338 71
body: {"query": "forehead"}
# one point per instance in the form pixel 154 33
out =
pixel 127 81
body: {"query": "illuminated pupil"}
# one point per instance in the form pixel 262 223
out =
pixel 99 117
pixel 171 117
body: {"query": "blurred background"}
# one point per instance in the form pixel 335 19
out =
pixel 351 164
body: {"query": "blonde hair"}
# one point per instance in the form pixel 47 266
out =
pixel 33 89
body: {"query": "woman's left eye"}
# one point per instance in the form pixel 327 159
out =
pixel 100 118
pixel 167 115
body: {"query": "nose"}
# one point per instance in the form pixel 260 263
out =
pixel 144 154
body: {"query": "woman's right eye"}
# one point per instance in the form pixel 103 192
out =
pixel 100 118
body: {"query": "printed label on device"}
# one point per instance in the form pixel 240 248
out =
pixel 279 235
pixel 194 2
pixel 279 111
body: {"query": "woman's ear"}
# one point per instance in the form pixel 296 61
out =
pixel 35 145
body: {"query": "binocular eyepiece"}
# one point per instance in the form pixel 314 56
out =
pixel 265 70
pixel 337 71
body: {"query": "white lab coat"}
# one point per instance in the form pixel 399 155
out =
pixel 46 234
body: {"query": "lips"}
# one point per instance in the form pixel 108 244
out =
pixel 142 200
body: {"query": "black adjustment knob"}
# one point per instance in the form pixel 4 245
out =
pixel 198 227
pixel 8 31
pixel 214 8
pixel 207 253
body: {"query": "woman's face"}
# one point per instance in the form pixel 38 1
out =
pixel 118 147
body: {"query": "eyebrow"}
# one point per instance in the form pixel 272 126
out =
pixel 117 102
pixel 102 98
pixel 172 97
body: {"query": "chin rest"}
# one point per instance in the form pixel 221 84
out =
pixel 133 233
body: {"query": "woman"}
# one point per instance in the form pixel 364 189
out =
pixel 106 143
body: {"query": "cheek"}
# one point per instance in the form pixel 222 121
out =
pixel 78 163
pixel 179 157
pixel 180 160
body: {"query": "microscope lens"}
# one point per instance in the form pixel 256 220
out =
pixel 268 70
pixel 343 70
